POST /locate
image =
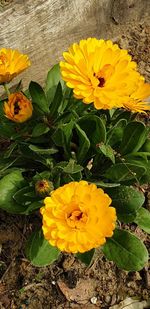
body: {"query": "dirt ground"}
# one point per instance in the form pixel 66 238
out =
pixel 68 283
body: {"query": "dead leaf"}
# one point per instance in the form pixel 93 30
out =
pixel 82 293
pixel 130 303
pixel 4 296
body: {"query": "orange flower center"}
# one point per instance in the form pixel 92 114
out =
pixel 104 74
pixel 76 219
pixel 16 108
pixel 42 185
pixel 101 82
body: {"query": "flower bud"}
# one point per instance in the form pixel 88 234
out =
pixel 18 108
pixel 43 187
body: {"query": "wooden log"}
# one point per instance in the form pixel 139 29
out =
pixel 43 29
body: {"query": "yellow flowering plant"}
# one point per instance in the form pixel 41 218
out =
pixel 77 152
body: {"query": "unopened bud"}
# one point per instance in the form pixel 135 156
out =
pixel 43 187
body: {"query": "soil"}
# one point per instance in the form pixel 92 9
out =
pixel 68 283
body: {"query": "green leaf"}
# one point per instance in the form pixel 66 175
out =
pixel 43 151
pixel 137 155
pixel 39 251
pixel 42 175
pixel 121 115
pixel 146 146
pixel 104 184
pixel 86 257
pixel 53 77
pixel 140 160
pixel 72 167
pixel 6 163
pixel 38 96
pixel 143 219
pixel 146 178
pixel 84 144
pixel 22 196
pixel 107 151
pixel 94 128
pixel 7 129
pixel 127 202
pixel 114 135
pixel 56 103
pixel 124 171
pixel 111 112
pixel 62 137
pixel 10 150
pixel 40 129
pixel 9 185
pixel 126 250
pixel 134 137
pixel 33 206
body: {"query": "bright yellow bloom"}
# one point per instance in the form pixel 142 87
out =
pixel 12 63
pixel 137 101
pixel 99 72
pixel 18 108
pixel 77 217
pixel 43 187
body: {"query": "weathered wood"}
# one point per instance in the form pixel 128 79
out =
pixel 45 28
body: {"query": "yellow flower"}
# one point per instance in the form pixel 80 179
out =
pixel 77 217
pixel 12 62
pixel 18 108
pixel 43 187
pixel 137 101
pixel 99 72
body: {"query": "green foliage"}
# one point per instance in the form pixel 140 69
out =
pixel 94 128
pixel 64 141
pixel 142 219
pixel 126 250
pixel 133 138
pixel 38 97
pixel 40 129
pixel 83 144
pixel 56 103
pixel 16 196
pixel 86 257
pixel 72 167
pixel 9 185
pixel 107 151
pixel 39 251
pixel 127 202
pixel 125 171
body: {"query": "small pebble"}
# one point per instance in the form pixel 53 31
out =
pixel 113 300
pixel 108 299
pixel 94 300
pixel 53 282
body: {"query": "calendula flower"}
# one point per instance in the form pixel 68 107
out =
pixel 99 72
pixel 18 108
pixel 43 187
pixel 12 63
pixel 77 217
pixel 137 102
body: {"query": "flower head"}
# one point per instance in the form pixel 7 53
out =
pixel 99 72
pixel 12 62
pixel 18 108
pixel 43 187
pixel 77 217
pixel 137 102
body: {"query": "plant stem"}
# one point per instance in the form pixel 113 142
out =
pixel 6 89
